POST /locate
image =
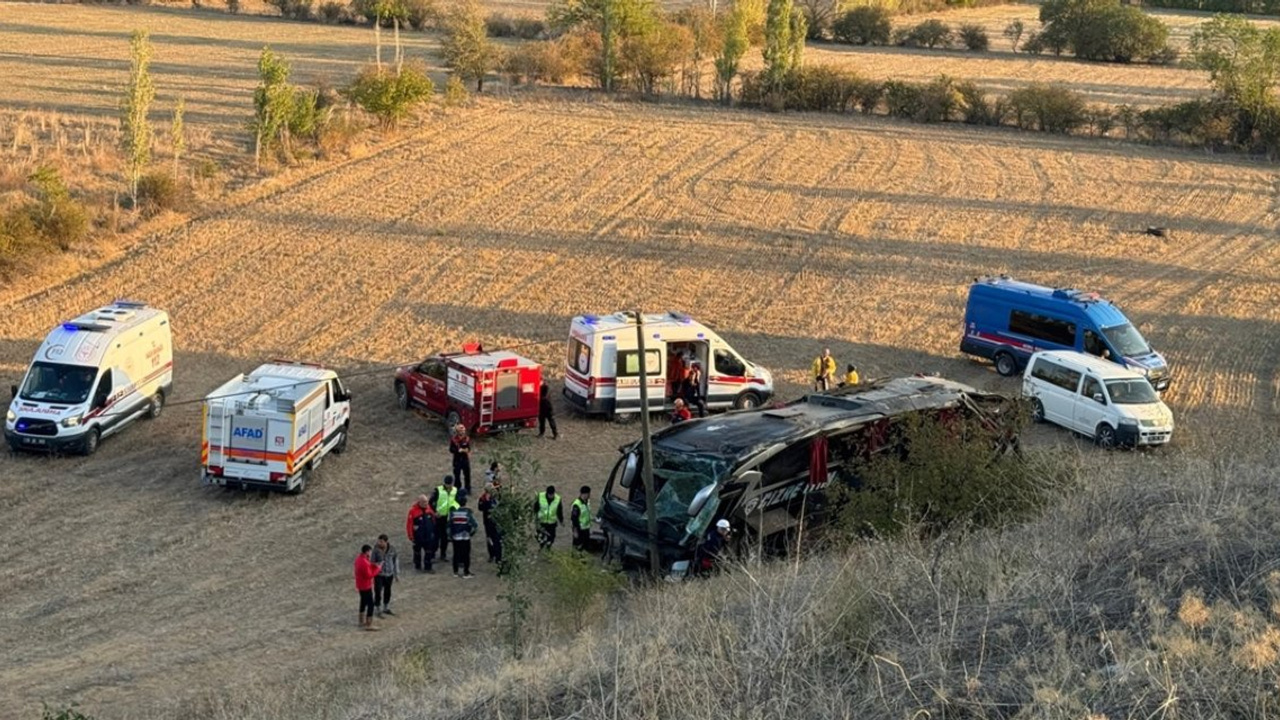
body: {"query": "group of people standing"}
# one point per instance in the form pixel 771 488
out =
pixel 684 383
pixel 824 372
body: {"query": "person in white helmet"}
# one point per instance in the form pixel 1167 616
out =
pixel 710 554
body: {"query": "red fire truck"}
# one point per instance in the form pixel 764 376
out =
pixel 487 392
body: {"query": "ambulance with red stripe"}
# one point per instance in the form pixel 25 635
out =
pixel 271 429
pixel 602 364
pixel 91 377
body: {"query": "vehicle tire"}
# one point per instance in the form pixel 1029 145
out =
pixel 746 401
pixel 1006 365
pixel 91 440
pixel 1037 410
pixel 341 447
pixel 302 483
pixel 451 421
pixel 1105 437
pixel 156 406
pixel 402 396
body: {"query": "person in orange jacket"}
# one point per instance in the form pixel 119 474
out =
pixel 420 527
pixel 366 570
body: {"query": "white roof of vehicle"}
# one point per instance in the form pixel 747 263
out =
pixel 490 360
pixel 279 380
pixel 85 340
pixel 1104 369
pixel 625 319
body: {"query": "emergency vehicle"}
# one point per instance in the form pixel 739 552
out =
pixel 271 428
pixel 487 392
pixel 91 377
pixel 602 366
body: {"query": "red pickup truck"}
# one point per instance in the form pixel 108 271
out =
pixel 487 392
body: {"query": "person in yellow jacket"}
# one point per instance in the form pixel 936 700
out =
pixel 824 371
pixel 580 520
pixel 850 376
pixel 550 514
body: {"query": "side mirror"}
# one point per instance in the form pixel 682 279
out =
pixel 13 391
pixel 1098 398
pixel 629 470
pixel 700 500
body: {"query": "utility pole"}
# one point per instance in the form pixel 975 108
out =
pixel 646 450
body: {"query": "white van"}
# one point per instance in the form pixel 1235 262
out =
pixel 602 364
pixel 1096 397
pixel 91 377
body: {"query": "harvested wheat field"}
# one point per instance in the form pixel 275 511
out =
pixel 133 590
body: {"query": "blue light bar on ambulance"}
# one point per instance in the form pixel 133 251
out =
pixel 608 337
pixel 589 319
pixel 70 327
pixel 701 335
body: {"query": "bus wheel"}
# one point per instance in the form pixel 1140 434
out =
pixel 1006 365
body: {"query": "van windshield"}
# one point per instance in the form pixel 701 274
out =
pixel 1131 392
pixel 679 477
pixel 56 383
pixel 1127 340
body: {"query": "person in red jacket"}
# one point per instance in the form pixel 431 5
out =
pixel 420 527
pixel 366 570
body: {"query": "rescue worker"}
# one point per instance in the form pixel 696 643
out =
pixel 693 389
pixel 444 502
pixel 710 553
pixel 460 449
pixel 681 412
pixel 365 571
pixel 384 556
pixel 850 376
pixel 824 370
pixel 492 535
pixel 462 525
pixel 493 476
pixel 546 414
pixel 580 520
pixel 420 527
pixel 676 372
pixel 550 514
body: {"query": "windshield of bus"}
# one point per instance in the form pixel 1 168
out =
pixel 60 384
pixel 1127 340
pixel 1131 392
pixel 678 477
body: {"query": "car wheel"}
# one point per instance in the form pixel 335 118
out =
pixel 746 401
pixel 1037 410
pixel 302 483
pixel 342 443
pixel 452 420
pixel 91 440
pixel 156 406
pixel 402 396
pixel 1105 436
pixel 1006 365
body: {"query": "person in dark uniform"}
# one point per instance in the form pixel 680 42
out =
pixel 546 414
pixel 460 449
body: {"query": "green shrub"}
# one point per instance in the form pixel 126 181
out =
pixel 332 12
pixel 1014 31
pixel 292 9
pixel 158 192
pixel 1048 108
pixel 1101 30
pixel 863 25
pixel 1206 123
pixel 902 99
pixel 59 219
pixel 233 7
pixel 420 14
pixel 1101 120
pixel 974 38
pixel 979 108
pixel 500 25
pixel 535 62
pixel 1034 44
pixel 574 584
pixel 65 712
pixel 455 92
pixel 867 95
pixel 928 34
pixel 939 100
pixel 18 232
pixel 390 96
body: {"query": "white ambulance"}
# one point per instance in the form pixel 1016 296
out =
pixel 602 365
pixel 269 429
pixel 91 377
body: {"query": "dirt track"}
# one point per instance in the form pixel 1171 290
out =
pixel 128 586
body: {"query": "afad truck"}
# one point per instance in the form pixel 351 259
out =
pixel 602 364
pixel 92 377
pixel 271 429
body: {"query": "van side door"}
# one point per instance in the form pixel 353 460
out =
pixel 628 377
pixel 1091 406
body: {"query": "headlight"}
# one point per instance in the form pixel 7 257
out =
pixel 10 416
pixel 72 421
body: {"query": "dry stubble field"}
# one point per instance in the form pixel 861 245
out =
pixel 130 588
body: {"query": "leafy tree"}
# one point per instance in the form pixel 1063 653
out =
pixel 612 21
pixel 706 37
pixel 783 45
pixel 1101 30
pixel 1014 31
pixel 1243 60
pixel 57 217
pixel 136 129
pixel 390 96
pixel 273 103
pixel 863 25
pixel 466 48
pixel 655 55
pixel 732 49
pixel 819 15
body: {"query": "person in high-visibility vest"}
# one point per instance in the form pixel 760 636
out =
pixel 444 502
pixel 580 519
pixel 550 514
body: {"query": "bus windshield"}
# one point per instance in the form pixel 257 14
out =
pixel 679 477
pixel 56 383
pixel 1127 340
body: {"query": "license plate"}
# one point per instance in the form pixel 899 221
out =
pixel 33 441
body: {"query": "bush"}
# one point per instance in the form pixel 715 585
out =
pixel 928 34
pixel 575 584
pixel 1101 30
pixel 292 9
pixel 233 6
pixel 332 12
pixel 18 232
pixel 57 218
pixel 863 25
pixel 390 96
pixel 867 95
pixel 1206 123
pixel 1048 108
pixel 535 62
pixel 1101 120
pixel 455 92
pixel 1034 44
pixel 974 37
pixel 500 25
pixel 158 192
pixel 979 109
pixel 420 14
pixel 1014 31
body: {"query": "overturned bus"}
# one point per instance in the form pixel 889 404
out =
pixel 765 469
